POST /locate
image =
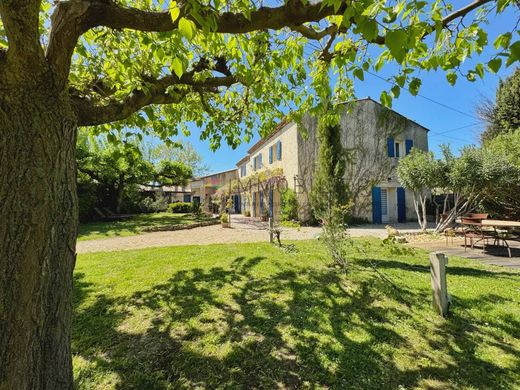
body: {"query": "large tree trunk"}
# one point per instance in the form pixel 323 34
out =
pixel 38 223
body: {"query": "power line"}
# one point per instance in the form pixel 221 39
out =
pixel 435 133
pixel 455 138
pixel 424 97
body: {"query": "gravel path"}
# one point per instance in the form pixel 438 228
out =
pixel 242 230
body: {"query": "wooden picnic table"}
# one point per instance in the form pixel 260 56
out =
pixel 500 223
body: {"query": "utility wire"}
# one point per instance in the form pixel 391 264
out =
pixel 435 133
pixel 424 97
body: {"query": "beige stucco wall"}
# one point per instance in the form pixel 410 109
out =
pixel 289 165
pixel 289 161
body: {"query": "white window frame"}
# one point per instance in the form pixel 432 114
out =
pixel 399 148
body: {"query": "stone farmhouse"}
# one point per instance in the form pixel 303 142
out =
pixel 374 138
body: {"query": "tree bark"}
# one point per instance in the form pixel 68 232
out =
pixel 38 214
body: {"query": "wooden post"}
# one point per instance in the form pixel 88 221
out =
pixel 271 229
pixel 441 301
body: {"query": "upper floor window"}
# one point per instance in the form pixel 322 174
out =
pixel 257 162
pixel 398 148
pixel 275 152
pixel 243 170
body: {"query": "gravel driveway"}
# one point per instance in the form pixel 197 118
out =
pixel 242 230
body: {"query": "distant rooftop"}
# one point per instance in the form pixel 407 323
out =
pixel 214 174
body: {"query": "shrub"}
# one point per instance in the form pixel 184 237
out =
pixel 196 209
pixel 224 218
pixel 247 213
pixel 180 207
pixel 132 198
pixel 290 224
pixel 289 206
pixel 87 200
pixel 150 205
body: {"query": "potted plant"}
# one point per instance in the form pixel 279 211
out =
pixel 265 216
pixel 224 220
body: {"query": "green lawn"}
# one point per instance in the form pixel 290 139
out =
pixel 253 316
pixel 133 225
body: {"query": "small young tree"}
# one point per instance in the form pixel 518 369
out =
pixel 419 172
pixel 329 195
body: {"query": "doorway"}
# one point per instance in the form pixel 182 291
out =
pixel 384 205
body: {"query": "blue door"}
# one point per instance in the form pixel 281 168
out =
pixel 401 205
pixel 253 214
pixel 237 203
pixel 261 203
pixel 376 205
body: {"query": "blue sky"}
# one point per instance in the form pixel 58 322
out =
pixel 463 97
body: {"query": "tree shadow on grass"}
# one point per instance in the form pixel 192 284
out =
pixel 452 270
pixel 294 328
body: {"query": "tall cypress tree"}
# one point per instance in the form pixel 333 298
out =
pixel 329 195
pixel 329 188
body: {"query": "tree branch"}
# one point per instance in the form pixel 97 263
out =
pixel 167 90
pixel 92 114
pixel 463 11
pixel 311 33
pixel 72 18
pixel 20 21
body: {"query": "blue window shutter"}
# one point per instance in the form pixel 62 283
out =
pixel 270 154
pixel 401 205
pixel 376 205
pixel 260 165
pixel 390 146
pixel 261 203
pixel 408 145
pixel 279 150
pixel 254 163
